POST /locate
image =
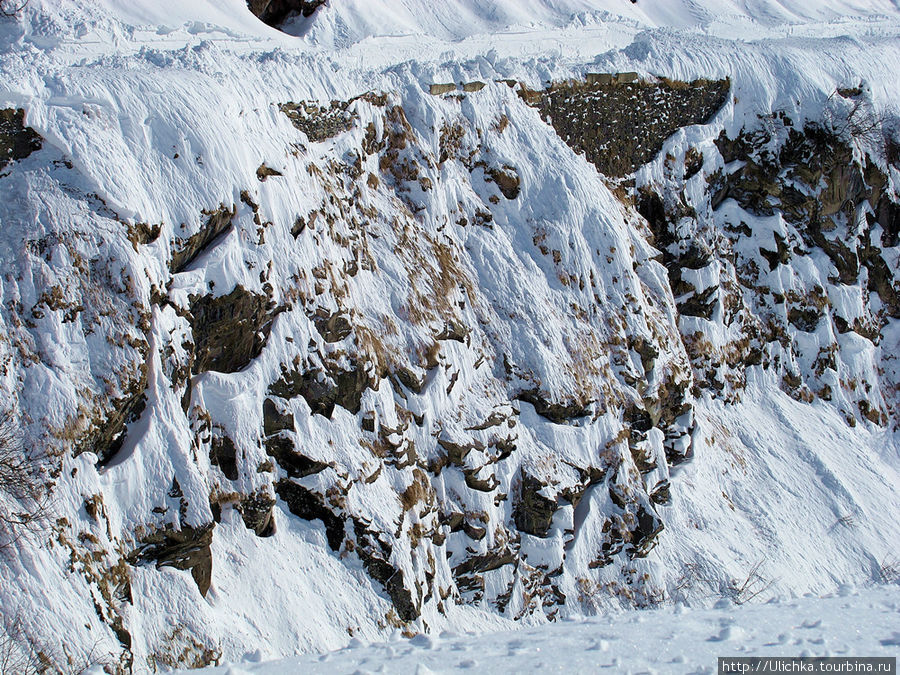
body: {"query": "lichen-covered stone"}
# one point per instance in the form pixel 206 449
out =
pixel 438 89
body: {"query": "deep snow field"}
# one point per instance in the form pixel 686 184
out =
pixel 850 623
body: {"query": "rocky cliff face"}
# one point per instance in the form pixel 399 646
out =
pixel 450 346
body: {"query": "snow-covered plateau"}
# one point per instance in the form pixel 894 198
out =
pixel 422 322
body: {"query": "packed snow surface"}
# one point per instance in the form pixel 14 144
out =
pixel 680 639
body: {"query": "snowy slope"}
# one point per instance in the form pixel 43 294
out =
pixel 157 119
pixel 342 24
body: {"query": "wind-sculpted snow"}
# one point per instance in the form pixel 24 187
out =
pixel 307 353
pixel 344 22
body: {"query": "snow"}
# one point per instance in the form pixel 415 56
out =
pixel 852 622
pixel 354 21
pixel 163 109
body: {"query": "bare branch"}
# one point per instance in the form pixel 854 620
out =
pixel 11 8
pixel 743 591
pixel 17 652
pixel 20 484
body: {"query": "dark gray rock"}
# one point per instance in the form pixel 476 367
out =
pixel 16 140
pixel 230 330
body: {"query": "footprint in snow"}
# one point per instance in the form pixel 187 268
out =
pixel 893 641
pixel 780 640
pixel 728 633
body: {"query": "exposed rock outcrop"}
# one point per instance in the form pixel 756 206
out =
pixel 533 512
pixel 187 250
pixel 324 388
pixel 109 434
pixel 274 12
pixel 16 140
pixel 305 504
pixel 319 122
pixel 184 549
pixel 477 393
pixel 229 330
pixel 620 122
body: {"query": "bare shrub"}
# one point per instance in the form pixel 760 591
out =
pixel 691 575
pixel 844 521
pixel 23 654
pixel 15 470
pixel 20 483
pixel 888 571
pixel 17 653
pixel 891 132
pixel 851 115
pixel 739 590
pixel 742 591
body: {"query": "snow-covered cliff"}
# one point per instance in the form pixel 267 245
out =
pixel 428 319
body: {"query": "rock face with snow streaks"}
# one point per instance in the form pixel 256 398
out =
pixel 321 363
